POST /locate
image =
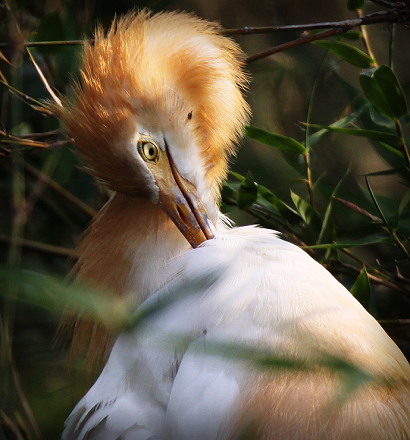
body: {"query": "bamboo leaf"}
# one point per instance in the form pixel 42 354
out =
pixel 326 219
pixel 371 239
pixel 247 192
pixel 283 143
pixel 384 92
pixel 309 215
pixel 347 53
pixel 361 289
pixel 386 138
pixel 285 210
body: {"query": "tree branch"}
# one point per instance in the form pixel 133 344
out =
pixel 398 13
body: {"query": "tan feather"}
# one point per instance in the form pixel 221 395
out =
pixel 120 79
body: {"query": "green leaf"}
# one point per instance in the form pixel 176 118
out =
pixel 247 192
pixel 347 53
pixel 387 138
pixel 58 296
pixel 354 5
pixel 371 239
pixel 361 289
pixel 326 219
pixel 309 215
pixel 340 123
pixel 284 143
pixel 286 211
pixel 405 203
pixel 384 92
pixel 352 35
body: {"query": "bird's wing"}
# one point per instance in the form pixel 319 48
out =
pixel 271 298
pixel 180 373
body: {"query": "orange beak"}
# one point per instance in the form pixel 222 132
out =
pixel 181 202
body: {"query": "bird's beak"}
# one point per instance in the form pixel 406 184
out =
pixel 181 202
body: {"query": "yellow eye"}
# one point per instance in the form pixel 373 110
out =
pixel 149 151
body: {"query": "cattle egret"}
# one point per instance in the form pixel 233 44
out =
pixel 156 113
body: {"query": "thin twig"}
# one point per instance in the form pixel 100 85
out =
pixel 386 4
pixel 365 37
pixel 58 251
pixel 48 43
pixel 398 15
pixel 27 98
pixel 291 44
pixel 62 191
pixel 56 99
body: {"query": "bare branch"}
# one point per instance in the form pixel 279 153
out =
pixel 291 44
pixel 400 14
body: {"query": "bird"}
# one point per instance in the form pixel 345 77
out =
pixel 156 113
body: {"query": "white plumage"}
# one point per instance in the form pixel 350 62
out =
pixel 248 288
pixel 192 367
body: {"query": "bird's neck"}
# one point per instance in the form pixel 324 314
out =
pixel 128 247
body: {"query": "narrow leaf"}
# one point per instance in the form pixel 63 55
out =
pixel 358 209
pixel 284 143
pixel 309 215
pixel 326 219
pixel 371 239
pixel 387 138
pixel 347 53
pixel 285 210
pixel 340 123
pixel 247 192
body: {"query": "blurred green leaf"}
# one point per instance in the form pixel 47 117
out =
pixel 361 289
pixel 247 192
pixel 59 296
pixel 354 5
pixel 347 53
pixel 352 35
pixel 384 92
pixel 284 143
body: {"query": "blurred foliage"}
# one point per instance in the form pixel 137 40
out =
pixel 330 122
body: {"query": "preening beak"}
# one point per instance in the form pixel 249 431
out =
pixel 181 202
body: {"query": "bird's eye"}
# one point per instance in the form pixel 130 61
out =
pixel 149 151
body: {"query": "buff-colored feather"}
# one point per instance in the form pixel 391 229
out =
pixel 142 66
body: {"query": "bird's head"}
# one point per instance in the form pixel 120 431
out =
pixel 157 111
